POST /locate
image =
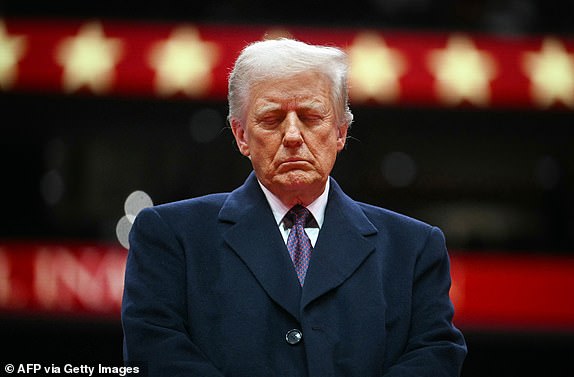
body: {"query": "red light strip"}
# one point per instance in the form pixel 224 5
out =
pixel 513 291
pixel 490 290
pixel 193 60
pixel 78 279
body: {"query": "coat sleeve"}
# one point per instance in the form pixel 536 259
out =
pixel 435 347
pixel 154 320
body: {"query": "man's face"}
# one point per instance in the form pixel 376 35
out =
pixel 291 135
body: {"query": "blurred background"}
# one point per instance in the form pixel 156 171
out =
pixel 464 118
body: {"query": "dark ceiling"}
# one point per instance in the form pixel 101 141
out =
pixel 491 16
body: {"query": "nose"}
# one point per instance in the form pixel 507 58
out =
pixel 292 136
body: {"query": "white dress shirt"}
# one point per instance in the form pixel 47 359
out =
pixel 317 209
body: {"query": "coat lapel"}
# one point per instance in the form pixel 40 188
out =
pixel 252 233
pixel 254 236
pixel 341 248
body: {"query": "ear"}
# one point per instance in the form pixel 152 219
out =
pixel 240 136
pixel 342 136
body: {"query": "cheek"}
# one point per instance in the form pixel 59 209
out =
pixel 326 154
pixel 265 147
pixel 329 143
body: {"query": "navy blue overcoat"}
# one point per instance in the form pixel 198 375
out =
pixel 210 290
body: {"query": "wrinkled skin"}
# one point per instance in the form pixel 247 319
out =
pixel 291 135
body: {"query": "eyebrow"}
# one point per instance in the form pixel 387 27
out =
pixel 312 104
pixel 270 106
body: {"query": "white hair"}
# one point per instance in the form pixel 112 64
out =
pixel 282 58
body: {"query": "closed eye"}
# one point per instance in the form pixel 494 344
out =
pixel 311 118
pixel 270 121
pixel 270 118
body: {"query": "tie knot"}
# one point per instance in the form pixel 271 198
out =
pixel 299 215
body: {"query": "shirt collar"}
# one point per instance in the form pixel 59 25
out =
pixel 317 208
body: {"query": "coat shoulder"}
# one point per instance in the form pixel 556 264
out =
pixel 206 201
pixel 383 218
pixel 405 237
pixel 203 206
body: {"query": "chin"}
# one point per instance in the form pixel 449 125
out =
pixel 298 180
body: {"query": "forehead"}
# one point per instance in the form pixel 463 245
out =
pixel 309 89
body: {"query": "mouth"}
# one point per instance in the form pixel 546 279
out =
pixel 293 163
pixel 295 160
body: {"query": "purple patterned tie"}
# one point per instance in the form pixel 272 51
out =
pixel 298 243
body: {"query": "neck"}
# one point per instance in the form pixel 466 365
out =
pixel 303 196
pixel 304 199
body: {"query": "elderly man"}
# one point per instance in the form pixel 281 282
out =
pixel 286 275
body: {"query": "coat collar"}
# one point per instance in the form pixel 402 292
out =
pixel 342 246
pixel 253 235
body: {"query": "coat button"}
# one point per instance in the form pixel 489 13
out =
pixel 293 336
